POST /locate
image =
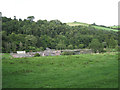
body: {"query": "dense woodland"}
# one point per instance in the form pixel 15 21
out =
pixel 28 35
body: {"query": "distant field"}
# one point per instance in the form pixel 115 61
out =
pixel 115 27
pixel 103 28
pixel 85 24
pixel 77 71
pixel 77 24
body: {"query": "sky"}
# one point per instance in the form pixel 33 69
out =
pixel 101 12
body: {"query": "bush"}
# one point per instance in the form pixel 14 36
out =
pixel 96 46
pixel 70 46
pixel 81 46
pixel 68 53
pixel 102 51
pixel 37 55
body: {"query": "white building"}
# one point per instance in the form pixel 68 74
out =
pixel 21 52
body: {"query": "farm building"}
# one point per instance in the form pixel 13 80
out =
pixel 49 52
pixel 20 54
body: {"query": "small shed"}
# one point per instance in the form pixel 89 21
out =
pixel 21 52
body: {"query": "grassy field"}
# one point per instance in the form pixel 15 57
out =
pixel 77 24
pixel 77 71
pixel 104 28
pixel 85 24
pixel 115 26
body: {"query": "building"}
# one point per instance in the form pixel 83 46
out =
pixel 21 52
pixel 50 52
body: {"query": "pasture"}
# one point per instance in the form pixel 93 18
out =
pixel 104 28
pixel 85 24
pixel 77 24
pixel 74 71
pixel 115 27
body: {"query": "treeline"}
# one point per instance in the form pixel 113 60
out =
pixel 28 35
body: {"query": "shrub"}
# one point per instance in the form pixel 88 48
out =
pixel 37 55
pixel 68 53
pixel 103 51
pixel 70 46
pixel 81 46
pixel 41 48
pixel 96 46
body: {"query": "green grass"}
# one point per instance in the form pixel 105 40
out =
pixel 77 71
pixel 85 24
pixel 104 28
pixel 77 24
pixel 115 27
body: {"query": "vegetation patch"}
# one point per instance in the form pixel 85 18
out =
pixel 37 55
pixel 68 53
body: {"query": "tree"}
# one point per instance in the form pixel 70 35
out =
pixel 70 46
pixel 96 46
pixel 61 45
pixel 31 40
pixel 41 48
pixel 75 47
pixel 8 47
pixel 20 46
pixel 45 41
pixel 14 47
pixel 104 44
pixel 81 46
pixel 4 36
pixel 112 43
pixel 14 17
pixel 93 24
pixel 0 14
pixel 31 48
pixel 31 18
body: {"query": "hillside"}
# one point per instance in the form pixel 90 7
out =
pixel 77 24
pixel 95 26
pixel 115 27
pixel 29 35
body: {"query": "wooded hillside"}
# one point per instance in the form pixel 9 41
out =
pixel 30 35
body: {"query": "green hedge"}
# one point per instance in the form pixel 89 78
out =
pixel 68 53
pixel 37 55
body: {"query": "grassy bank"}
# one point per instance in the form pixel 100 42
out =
pixel 78 71
pixel 96 27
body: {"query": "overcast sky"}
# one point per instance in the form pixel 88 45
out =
pixel 102 12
